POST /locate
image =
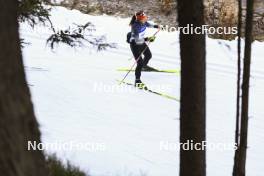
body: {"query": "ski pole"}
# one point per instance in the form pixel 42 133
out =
pixel 138 58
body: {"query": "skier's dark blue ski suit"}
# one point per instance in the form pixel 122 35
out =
pixel 138 45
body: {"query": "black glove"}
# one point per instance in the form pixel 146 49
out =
pixel 150 39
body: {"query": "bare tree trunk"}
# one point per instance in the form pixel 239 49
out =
pixel 238 71
pixel 17 121
pixel 242 150
pixel 193 91
pixel 238 110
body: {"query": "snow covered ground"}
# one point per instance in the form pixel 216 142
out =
pixel 132 125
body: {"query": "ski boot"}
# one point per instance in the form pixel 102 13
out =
pixel 139 84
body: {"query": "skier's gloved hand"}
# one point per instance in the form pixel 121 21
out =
pixel 151 39
pixel 160 27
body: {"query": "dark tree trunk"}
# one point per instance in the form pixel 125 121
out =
pixel 193 91
pixel 238 110
pixel 239 26
pixel 17 121
pixel 242 150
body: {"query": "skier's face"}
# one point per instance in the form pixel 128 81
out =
pixel 144 20
pixel 141 17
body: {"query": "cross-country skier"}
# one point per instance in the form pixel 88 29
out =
pixel 137 40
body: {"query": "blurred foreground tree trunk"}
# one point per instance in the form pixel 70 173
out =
pixel 17 121
pixel 193 88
